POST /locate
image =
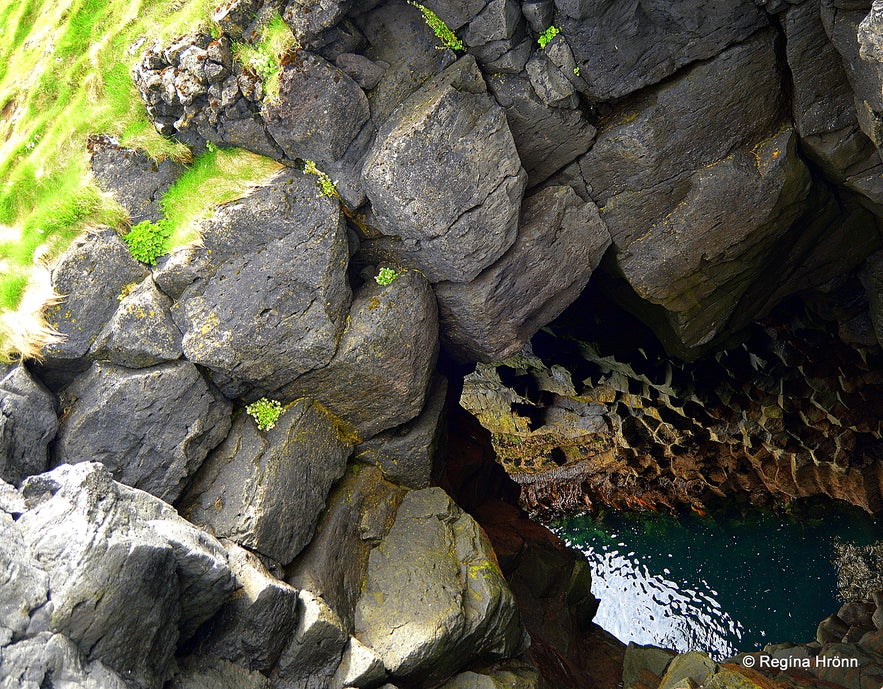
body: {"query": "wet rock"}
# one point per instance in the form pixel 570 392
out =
pixel 128 577
pixel 382 369
pixel 457 217
pixel 89 276
pixel 622 47
pixel 319 112
pixel 561 240
pixel 547 139
pixel 258 618
pixel 27 424
pixel 53 660
pixel 315 650
pixel 434 597
pixel 152 427
pixel 411 454
pixel 255 481
pixel 141 333
pixel 208 672
pixel 360 510
pixel 132 177
pixel 274 298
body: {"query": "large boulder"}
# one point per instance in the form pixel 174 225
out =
pixel 255 481
pixel 561 240
pixel 27 424
pixel 360 511
pixel 272 302
pixel 128 578
pixel 152 427
pixel 444 176
pixel 621 47
pixel 434 598
pixel 382 369
pixel 319 111
pixel 412 454
pixel 90 277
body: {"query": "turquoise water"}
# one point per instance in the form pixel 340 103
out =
pixel 719 585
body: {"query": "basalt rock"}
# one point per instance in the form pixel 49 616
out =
pixel 151 427
pixel 271 301
pixel 434 597
pixel 561 240
pixel 28 424
pixel 256 480
pixel 444 176
pixel 383 367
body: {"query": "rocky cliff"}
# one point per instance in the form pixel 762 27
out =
pixel 231 466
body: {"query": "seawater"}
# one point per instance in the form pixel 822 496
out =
pixel 722 585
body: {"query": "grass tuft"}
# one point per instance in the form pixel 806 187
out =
pixel 264 57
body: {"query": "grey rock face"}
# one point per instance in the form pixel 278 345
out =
pixel 275 295
pixel 319 112
pixel 258 618
pixel 315 650
pixel 257 480
pixel 561 240
pixel 209 672
pixel 151 427
pixel 360 510
pixel 381 371
pixel 434 598
pixel 444 175
pixel 411 455
pixel 547 139
pixel 872 280
pixel 309 20
pixel 621 47
pixel 506 675
pixel 135 180
pixel 24 587
pixel 90 276
pixel 141 333
pixel 27 424
pixel 127 576
pixel 359 667
pixel 53 660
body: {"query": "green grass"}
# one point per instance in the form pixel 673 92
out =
pixel 65 74
pixel 441 30
pixel 264 57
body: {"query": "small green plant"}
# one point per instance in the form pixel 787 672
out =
pixel 264 57
pixel 547 35
pixel 440 29
pixel 576 71
pixel 324 182
pixel 265 413
pixel 386 276
pixel 147 240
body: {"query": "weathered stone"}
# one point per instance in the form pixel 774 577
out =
pixel 504 57
pixel 621 47
pixel 315 650
pixel 434 598
pixel 641 659
pixel 319 111
pixel 444 175
pixel 822 104
pixel 411 455
pixel 27 424
pixel 24 587
pixel 360 69
pixel 456 13
pixel 382 369
pixel 207 672
pixel 359 667
pixel 694 666
pixel 872 279
pixel 512 674
pixel 234 16
pixel 831 629
pixel 52 660
pixel 135 180
pixel 152 427
pixel 561 240
pixel 275 300
pixel 141 332
pixel 128 577
pixel 256 621
pixel 90 276
pixel 360 510
pixel 255 481
pixel 549 83
pixel 497 21
pixel 308 20
pixel 547 139
pixel 538 13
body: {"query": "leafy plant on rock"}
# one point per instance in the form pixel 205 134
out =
pixel 386 276
pixel 547 36
pixel 265 412
pixel 439 28
pixel 147 240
